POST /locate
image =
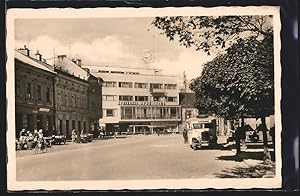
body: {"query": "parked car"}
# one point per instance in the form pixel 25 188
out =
pixel 86 138
pixel 59 139
pixel 201 132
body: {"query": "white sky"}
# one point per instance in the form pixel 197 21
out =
pixel 109 41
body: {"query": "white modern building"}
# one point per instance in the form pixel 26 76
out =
pixel 138 100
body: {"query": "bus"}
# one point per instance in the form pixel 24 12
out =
pixel 201 132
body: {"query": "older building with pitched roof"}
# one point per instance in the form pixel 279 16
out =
pixel 34 91
pixel 56 98
pixel 78 97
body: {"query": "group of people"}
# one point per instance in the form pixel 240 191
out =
pixel 78 138
pixel 28 139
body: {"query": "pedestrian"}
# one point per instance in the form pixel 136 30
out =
pixel 185 136
pixel 73 135
pixel 115 134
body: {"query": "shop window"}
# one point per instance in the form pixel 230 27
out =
pixel 128 113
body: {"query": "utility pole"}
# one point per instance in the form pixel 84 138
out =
pixel 185 85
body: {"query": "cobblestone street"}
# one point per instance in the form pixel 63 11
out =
pixel 134 157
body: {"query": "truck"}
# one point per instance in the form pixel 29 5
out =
pixel 201 131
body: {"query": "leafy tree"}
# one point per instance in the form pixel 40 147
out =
pixel 239 81
pixel 213 33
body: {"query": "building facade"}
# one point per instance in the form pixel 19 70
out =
pixel 77 97
pixel 56 98
pixel 34 89
pixel 138 100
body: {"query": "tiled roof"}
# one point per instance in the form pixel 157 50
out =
pixel 30 61
pixel 68 66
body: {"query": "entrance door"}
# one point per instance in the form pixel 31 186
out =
pixel 29 122
pixel 39 122
pixel 68 129
pixel 79 126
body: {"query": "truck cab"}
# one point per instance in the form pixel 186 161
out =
pixel 201 132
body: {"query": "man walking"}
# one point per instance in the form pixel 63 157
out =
pixel 185 136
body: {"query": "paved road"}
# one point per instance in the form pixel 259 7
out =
pixel 134 157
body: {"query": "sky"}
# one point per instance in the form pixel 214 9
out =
pixel 109 42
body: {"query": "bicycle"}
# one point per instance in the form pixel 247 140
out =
pixel 40 147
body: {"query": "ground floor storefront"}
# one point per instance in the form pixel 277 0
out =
pixel 143 127
pixel 34 118
pixel 66 122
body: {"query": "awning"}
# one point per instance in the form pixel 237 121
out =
pixel 157 126
pixel 138 125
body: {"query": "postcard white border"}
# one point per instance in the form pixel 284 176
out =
pixel 203 183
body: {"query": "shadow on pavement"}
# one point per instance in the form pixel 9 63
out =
pixel 261 170
pixel 245 155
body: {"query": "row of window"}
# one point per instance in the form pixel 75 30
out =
pixel 67 99
pixel 118 72
pixel 138 98
pixel 145 112
pixel 138 85
pixel 42 93
pixel 79 123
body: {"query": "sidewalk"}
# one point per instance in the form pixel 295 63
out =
pixel 71 146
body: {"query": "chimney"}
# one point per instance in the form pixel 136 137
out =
pixel 78 62
pixel 25 51
pixel 87 70
pixel 61 57
pixel 38 55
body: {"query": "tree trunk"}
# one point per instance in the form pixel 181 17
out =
pixel 243 134
pixel 267 155
pixel 236 138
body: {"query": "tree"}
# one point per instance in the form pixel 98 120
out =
pixel 213 33
pixel 239 81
